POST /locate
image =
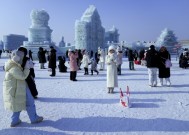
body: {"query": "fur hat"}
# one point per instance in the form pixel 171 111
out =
pixel 111 47
pixel 17 56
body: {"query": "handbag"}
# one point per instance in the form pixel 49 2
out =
pixel 168 63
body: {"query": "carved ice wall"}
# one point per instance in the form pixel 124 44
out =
pixel 89 33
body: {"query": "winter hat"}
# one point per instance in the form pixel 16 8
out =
pixel 69 50
pixel 111 48
pixel 152 47
pixel 17 56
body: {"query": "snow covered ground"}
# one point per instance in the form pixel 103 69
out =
pixel 85 108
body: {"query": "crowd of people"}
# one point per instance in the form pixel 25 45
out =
pixel 19 84
pixel 184 59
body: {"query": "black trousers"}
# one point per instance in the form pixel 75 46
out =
pixel 73 75
pixel 53 71
pixel 94 71
pixel 86 71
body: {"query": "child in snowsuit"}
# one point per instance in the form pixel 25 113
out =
pixel 85 61
pixel 94 66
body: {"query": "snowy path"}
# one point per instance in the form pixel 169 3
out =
pixel 84 107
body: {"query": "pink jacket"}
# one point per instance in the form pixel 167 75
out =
pixel 73 61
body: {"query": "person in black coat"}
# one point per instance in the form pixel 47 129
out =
pixel 52 61
pixel 141 54
pixel 42 57
pixel 152 59
pixel 30 55
pixel 61 66
pixel 184 58
pixel 163 71
pixel 30 79
pixel 131 57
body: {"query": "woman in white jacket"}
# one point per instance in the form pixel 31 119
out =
pixel 111 60
pixel 85 61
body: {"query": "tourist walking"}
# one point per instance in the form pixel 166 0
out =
pixel 94 66
pixel 85 61
pixel 164 72
pixel 101 55
pixel 80 57
pixel 119 60
pixel 73 55
pixel 42 57
pixel 52 61
pixel 111 60
pixel 16 94
pixel 152 59
pixel 131 57
pixel 30 55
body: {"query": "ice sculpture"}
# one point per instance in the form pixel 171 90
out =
pixel 39 30
pixel 89 33
pixel 39 34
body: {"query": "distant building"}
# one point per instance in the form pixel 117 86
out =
pixel 65 46
pixel 13 41
pixel 62 43
pixel 89 33
pixel 184 42
pixel 1 45
pixel 112 35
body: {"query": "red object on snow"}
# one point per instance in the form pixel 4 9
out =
pixel 122 99
pixel 137 62
pixel 123 103
pixel 121 93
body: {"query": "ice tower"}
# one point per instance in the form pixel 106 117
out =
pixel 89 33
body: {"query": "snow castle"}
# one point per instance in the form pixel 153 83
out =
pixel 89 33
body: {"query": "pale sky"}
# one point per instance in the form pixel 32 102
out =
pixel 135 19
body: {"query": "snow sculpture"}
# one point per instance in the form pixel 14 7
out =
pixel 89 34
pixel 167 39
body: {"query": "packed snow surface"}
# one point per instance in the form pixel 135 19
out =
pixel 85 108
